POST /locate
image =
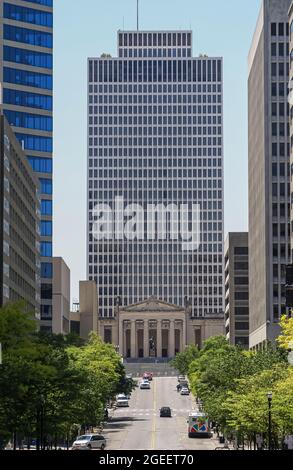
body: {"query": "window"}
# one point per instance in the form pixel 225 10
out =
pixel 47 3
pixel 28 15
pixel 241 311
pixel 29 121
pixel 241 296
pixel 47 270
pixel 23 56
pixel 241 250
pixel 27 78
pixel 46 249
pixel 281 29
pixel 40 144
pixel 46 291
pixel 243 281
pixel 46 312
pixel 273 29
pixel 30 100
pixel 241 325
pixel 46 228
pixel 46 207
pixel 46 186
pixel 28 36
pixel 41 165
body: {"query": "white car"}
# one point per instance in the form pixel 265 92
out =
pixel 145 384
pixel 89 442
pixel 122 401
pixel 184 391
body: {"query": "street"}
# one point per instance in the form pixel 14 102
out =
pixel 140 427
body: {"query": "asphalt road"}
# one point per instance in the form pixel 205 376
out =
pixel 140 426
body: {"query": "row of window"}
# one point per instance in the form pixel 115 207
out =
pixel 155 99
pixel 27 78
pixel 46 186
pixel 154 39
pixel 27 99
pixel 26 57
pixel 28 36
pixel 196 70
pixel 47 3
pixel 279 69
pixel 140 110
pixel 46 207
pixel 46 229
pixel 139 53
pixel 46 250
pixel 159 142
pixel 37 143
pixel 41 165
pixel 153 89
pixel 280 49
pixel 160 130
pixel 155 120
pixel 29 121
pixel 279 29
pixel 28 15
pixel 165 163
pixel 279 89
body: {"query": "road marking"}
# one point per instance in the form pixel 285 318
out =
pixel 153 434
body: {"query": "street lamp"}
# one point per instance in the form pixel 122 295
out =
pixel 270 397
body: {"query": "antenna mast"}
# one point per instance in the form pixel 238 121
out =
pixel 137 15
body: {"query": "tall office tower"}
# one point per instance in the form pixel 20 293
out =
pixel 19 224
pixel 291 118
pixel 236 289
pixel 269 172
pixel 26 35
pixel 155 137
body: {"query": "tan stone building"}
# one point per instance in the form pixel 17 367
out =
pixel 151 328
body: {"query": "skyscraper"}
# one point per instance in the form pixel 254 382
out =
pixel 156 138
pixel 269 170
pixel 26 100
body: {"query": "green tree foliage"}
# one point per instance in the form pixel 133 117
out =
pixel 182 360
pixel 50 383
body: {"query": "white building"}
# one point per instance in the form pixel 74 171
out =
pixel 155 136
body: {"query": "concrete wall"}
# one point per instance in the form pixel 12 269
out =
pixel 88 308
pixel 61 297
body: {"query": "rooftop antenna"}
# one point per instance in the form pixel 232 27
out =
pixel 137 15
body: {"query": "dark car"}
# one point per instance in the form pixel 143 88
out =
pixel 165 412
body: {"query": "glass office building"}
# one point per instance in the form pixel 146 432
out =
pixel 155 136
pixel 26 76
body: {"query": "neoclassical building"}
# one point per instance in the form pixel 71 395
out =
pixel 152 328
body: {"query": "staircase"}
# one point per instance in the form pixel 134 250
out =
pixel 159 367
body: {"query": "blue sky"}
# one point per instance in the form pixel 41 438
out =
pixel 88 28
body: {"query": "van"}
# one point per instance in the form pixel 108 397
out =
pixel 198 425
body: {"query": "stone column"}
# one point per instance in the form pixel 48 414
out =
pixel 121 338
pixel 133 340
pixel 146 344
pixel 171 349
pixel 159 338
pixel 183 336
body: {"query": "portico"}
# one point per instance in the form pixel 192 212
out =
pixel 151 329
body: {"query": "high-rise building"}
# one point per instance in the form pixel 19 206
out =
pixel 236 289
pixel 26 42
pixel 269 170
pixel 155 137
pixel 19 224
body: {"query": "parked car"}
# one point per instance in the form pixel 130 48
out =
pixel 165 412
pixel 89 442
pixel 145 385
pixel 184 391
pixel 181 377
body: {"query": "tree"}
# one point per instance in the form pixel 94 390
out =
pixel 285 340
pixel 182 360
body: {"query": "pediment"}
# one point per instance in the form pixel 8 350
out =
pixel 152 305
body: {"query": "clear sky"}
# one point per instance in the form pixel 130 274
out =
pixel 87 29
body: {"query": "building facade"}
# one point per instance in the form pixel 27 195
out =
pixel 155 139
pixel 26 77
pixel 290 16
pixel 19 224
pixel 236 289
pixel 61 297
pixel 269 170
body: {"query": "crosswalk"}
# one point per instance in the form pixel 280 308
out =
pixel 149 412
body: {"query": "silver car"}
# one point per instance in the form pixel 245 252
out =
pixel 89 442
